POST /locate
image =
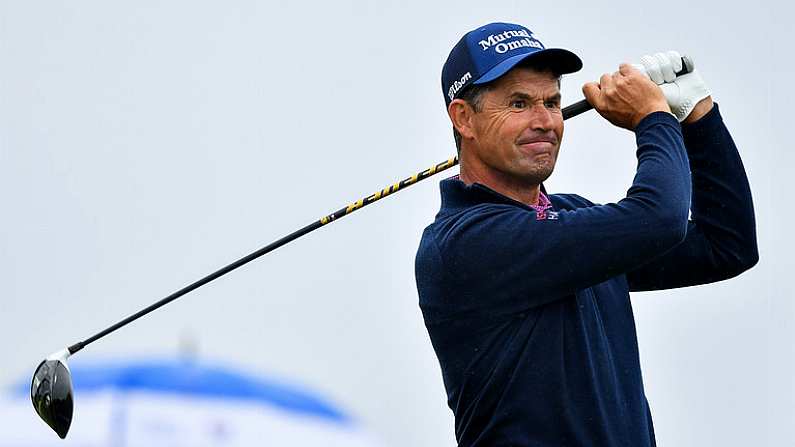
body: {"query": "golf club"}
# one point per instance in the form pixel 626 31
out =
pixel 51 388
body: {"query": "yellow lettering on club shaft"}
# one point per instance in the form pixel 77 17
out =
pixel 446 164
pixel 411 180
pixel 374 197
pixel 354 206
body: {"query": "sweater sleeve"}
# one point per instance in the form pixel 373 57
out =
pixel 501 251
pixel 721 235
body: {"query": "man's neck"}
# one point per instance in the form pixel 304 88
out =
pixel 519 191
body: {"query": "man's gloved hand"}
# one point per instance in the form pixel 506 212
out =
pixel 625 97
pixel 682 92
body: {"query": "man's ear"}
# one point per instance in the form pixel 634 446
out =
pixel 460 113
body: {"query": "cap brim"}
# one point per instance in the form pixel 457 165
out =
pixel 557 59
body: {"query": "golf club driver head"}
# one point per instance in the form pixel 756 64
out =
pixel 51 392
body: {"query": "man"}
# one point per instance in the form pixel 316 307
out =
pixel 526 295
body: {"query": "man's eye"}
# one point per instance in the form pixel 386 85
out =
pixel 518 104
pixel 552 104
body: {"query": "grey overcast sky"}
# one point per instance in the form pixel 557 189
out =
pixel 144 144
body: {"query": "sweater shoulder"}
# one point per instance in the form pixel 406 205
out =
pixel 469 218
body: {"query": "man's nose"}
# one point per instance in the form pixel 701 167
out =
pixel 541 117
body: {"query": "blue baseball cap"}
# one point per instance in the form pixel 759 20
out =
pixel 486 53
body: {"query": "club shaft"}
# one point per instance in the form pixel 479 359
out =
pixel 568 112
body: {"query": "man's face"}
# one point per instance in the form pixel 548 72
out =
pixel 519 127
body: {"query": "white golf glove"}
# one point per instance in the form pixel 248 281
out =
pixel 682 92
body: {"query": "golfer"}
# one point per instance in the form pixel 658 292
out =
pixel 525 295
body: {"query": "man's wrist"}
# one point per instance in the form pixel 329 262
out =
pixel 702 108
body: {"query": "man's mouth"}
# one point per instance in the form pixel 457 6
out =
pixel 537 145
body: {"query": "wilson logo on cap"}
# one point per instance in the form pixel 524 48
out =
pixel 458 85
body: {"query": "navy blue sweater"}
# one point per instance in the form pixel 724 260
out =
pixel 531 319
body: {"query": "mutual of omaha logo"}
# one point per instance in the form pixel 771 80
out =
pixel 505 41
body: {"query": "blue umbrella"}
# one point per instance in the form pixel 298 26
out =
pixel 190 380
pixel 189 377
